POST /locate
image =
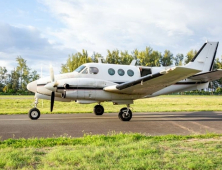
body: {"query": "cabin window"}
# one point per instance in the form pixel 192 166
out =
pixel 80 68
pixel 121 72
pixel 93 70
pixel 130 73
pixel 85 71
pixel 111 71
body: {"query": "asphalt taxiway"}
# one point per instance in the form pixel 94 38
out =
pixel 76 125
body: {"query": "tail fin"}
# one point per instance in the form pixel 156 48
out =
pixel 204 59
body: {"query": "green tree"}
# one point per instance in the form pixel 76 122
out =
pixel 125 58
pixel 145 56
pixel 179 60
pixel 190 55
pixel 135 54
pixel 19 77
pixel 13 84
pixel 217 65
pixel 34 76
pixel 148 57
pixel 74 61
pixel 167 58
pixel 3 77
pixel 23 72
pixel 113 57
pixel 95 57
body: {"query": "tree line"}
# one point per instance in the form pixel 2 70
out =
pixel 15 82
pixel 147 57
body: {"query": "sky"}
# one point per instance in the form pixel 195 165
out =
pixel 45 32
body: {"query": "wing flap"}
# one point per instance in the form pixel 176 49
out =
pixel 208 76
pixel 147 85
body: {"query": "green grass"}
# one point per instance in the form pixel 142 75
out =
pixel 22 104
pixel 114 151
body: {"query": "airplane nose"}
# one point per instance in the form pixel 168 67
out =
pixel 32 86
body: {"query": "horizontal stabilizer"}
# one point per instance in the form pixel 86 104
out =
pixel 208 76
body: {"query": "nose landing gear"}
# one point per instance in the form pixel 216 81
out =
pixel 34 113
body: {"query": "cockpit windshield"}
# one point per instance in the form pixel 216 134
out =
pixel 79 69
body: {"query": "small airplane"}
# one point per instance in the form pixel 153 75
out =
pixel 122 84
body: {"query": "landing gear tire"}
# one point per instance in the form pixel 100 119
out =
pixel 98 110
pixel 124 116
pixel 34 113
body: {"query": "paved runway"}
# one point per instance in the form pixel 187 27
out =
pixel 75 125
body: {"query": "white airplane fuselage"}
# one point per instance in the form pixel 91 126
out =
pixel 87 87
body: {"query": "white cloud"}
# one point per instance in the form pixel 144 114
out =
pixel 29 43
pixel 127 24
pixel 176 25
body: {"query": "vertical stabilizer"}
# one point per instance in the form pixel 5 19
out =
pixel 204 58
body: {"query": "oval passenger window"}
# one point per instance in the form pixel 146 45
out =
pixel 130 73
pixel 121 72
pixel 111 71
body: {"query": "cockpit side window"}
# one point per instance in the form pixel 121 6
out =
pixel 80 68
pixel 93 70
pixel 85 71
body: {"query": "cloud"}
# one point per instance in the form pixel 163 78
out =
pixel 57 28
pixel 12 37
pixel 127 24
pixel 29 43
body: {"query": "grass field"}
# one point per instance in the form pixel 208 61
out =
pixel 115 151
pixel 168 103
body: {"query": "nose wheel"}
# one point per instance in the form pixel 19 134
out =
pixel 34 114
pixel 98 110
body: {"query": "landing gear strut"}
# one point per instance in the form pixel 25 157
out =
pixel 34 113
pixel 125 113
pixel 98 110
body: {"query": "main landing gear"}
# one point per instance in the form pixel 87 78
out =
pixel 125 113
pixel 34 113
pixel 98 110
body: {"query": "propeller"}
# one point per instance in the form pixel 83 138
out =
pixel 54 85
pixel 52 100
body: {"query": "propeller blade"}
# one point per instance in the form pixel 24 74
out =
pixel 52 101
pixel 51 74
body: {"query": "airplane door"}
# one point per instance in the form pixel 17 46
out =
pixel 145 71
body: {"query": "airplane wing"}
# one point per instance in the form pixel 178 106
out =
pixel 208 76
pixel 149 84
